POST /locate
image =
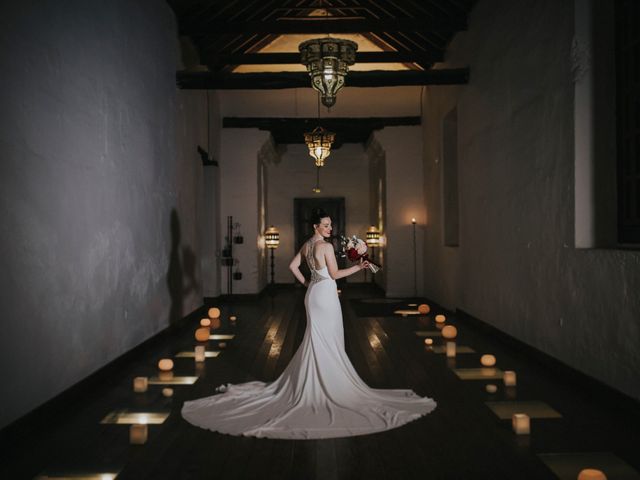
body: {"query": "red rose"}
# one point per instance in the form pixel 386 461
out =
pixel 353 255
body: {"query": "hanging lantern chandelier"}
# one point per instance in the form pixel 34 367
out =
pixel 319 142
pixel 327 61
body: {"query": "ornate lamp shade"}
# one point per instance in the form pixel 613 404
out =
pixel 327 61
pixel 319 142
pixel 373 236
pixel 272 237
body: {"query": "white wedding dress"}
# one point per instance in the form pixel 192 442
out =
pixel 318 395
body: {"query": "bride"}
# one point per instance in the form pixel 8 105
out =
pixel 319 394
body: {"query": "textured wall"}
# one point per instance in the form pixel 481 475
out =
pixel 239 159
pixel 99 248
pixel 405 200
pixel 516 266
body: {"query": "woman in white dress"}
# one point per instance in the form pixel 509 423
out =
pixel 319 394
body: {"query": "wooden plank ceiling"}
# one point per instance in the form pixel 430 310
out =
pixel 406 36
pixel 253 44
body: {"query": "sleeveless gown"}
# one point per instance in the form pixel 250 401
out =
pixel 318 395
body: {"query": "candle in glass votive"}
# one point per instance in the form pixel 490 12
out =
pixel 140 384
pixel 509 378
pixel 233 318
pixel 222 345
pixel 591 474
pixel 167 392
pixel 521 423
pixel 214 312
pixel 488 360
pixel 199 353
pixel 491 388
pixel 138 434
pixel 450 332
pixel 451 349
pixel 166 364
pixel 428 341
pixel 423 308
pixel 441 318
pixel 202 334
pixel 205 322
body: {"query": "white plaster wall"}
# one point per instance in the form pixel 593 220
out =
pixel 345 174
pixel 303 102
pixel 240 199
pixel 516 266
pixel 90 181
pixel 405 200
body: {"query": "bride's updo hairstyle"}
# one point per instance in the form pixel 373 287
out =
pixel 317 214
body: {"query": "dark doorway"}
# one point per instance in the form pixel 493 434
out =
pixel 302 208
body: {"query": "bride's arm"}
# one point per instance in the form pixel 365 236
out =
pixel 294 266
pixel 332 265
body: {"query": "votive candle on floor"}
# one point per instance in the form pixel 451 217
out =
pixel 488 360
pixel 509 378
pixel 591 474
pixel 138 434
pixel 428 341
pixel 167 392
pixel 441 318
pixel 491 388
pixel 521 423
pixel 205 322
pixel 233 318
pixel 140 384
pixel 200 353
pixel 451 349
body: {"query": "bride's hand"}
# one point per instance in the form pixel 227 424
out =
pixel 364 265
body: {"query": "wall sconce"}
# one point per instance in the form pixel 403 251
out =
pixel 272 240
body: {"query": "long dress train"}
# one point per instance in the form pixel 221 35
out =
pixel 318 395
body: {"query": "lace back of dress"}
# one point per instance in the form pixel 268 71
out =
pixel 311 261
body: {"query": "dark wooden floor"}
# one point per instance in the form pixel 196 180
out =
pixel 461 439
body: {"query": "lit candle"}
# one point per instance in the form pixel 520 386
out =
pixel 591 474
pixel 413 220
pixel 138 434
pixel 214 312
pixel 222 345
pixel 167 392
pixel 521 423
pixel 199 353
pixel 205 322
pixel 488 360
pixel 233 318
pixel 428 341
pixel 140 384
pixel 509 378
pixel 166 364
pixel 449 332
pixel 491 388
pixel 423 308
pixel 451 349
pixel 202 334
pixel 441 318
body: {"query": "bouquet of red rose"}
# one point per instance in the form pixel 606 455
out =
pixel 354 249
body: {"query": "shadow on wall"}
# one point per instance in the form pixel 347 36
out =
pixel 179 269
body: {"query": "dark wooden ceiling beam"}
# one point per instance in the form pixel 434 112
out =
pixel 347 130
pixel 294 58
pixel 261 81
pixel 324 25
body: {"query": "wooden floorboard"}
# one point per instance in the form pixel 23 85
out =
pixel 461 439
